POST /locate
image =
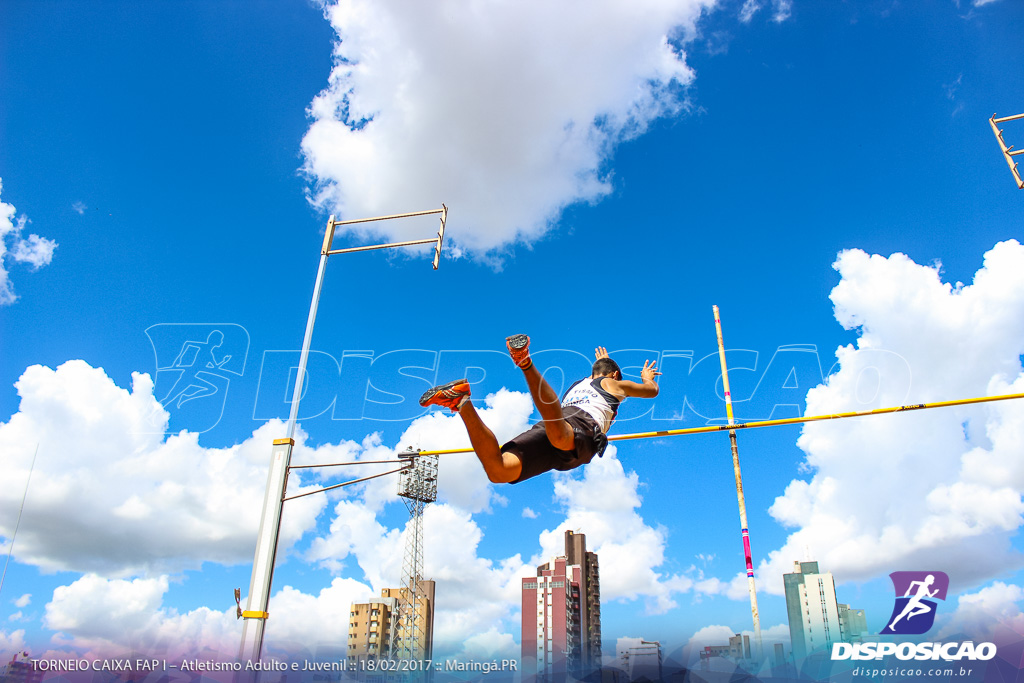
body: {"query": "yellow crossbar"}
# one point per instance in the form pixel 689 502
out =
pixel 776 423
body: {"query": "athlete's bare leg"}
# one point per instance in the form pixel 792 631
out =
pixel 559 432
pixel 501 468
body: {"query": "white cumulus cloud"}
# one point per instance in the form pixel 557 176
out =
pixel 114 499
pixel 34 250
pixel 106 618
pixel 109 494
pixel 474 594
pixel 940 487
pixel 983 614
pixel 719 634
pixel 506 111
pixel 490 645
pixel 602 501
pixel 11 643
pixel 482 595
pixel 716 634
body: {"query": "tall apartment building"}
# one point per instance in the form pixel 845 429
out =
pixel 423 635
pixel 816 620
pixel 375 632
pixel 812 609
pixel 371 627
pixel 561 630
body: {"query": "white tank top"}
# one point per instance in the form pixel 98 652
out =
pixel 587 395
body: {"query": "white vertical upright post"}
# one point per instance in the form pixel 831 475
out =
pixel 255 614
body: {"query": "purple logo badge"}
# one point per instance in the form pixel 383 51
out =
pixel 916 592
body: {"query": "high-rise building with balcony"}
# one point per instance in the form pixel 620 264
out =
pixel 423 613
pixel 376 632
pixel 371 627
pixel 561 629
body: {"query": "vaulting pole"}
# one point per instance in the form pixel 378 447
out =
pixel 744 529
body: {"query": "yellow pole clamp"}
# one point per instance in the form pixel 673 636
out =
pixel 251 614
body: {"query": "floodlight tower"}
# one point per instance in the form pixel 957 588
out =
pixel 418 485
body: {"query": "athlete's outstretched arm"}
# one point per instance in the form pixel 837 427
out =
pixel 646 389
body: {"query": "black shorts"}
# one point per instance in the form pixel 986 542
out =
pixel 539 456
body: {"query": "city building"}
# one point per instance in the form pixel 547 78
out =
pixel 816 619
pixel 371 627
pixel 20 670
pixel 737 651
pixel 375 630
pixel 561 628
pixel 852 623
pixel 639 659
pixel 422 635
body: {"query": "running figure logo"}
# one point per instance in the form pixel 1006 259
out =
pixel 194 364
pixel 914 611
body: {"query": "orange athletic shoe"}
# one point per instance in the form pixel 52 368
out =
pixel 519 348
pixel 451 395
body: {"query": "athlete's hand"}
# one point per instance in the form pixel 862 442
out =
pixel 650 371
pixel 600 352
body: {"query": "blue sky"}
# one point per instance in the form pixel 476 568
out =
pixel 610 176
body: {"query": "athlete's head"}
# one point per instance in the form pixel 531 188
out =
pixel 606 367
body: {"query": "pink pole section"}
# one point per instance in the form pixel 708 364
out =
pixel 739 485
